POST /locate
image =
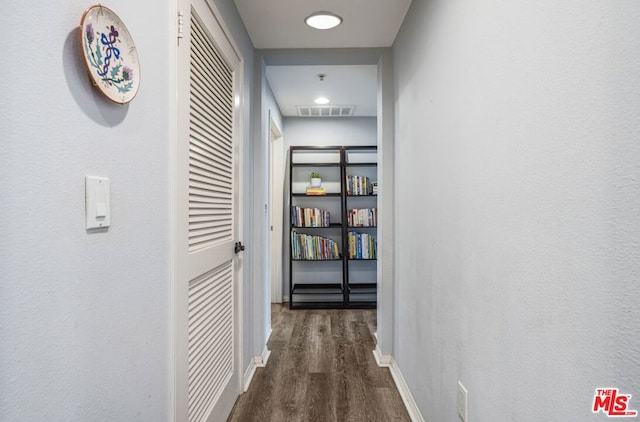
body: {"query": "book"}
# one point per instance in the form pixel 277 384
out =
pixel 367 217
pixel 313 248
pixel 309 217
pixel 361 246
pixel 359 185
pixel 315 191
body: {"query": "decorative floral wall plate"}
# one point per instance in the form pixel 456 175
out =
pixel 110 54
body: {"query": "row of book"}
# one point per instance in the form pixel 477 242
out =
pixel 362 246
pixel 366 217
pixel 309 247
pixel 309 217
pixel 359 185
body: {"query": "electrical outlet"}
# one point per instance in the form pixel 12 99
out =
pixel 462 402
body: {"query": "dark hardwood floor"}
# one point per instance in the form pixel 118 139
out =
pixel 321 368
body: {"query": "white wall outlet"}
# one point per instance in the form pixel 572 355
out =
pixel 462 402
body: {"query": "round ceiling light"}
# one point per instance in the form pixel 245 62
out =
pixel 323 20
pixel 321 100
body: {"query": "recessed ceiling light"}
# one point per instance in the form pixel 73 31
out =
pixel 323 20
pixel 321 100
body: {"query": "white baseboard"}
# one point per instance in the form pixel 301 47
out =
pixel 387 361
pixel 255 363
pixel 264 358
pixel 383 361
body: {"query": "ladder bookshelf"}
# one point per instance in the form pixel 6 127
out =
pixel 333 229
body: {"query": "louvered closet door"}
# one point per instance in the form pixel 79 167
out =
pixel 208 367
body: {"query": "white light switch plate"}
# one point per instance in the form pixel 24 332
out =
pixel 97 202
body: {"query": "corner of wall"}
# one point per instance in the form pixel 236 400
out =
pixel 255 363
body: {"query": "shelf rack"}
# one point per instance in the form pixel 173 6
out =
pixel 339 290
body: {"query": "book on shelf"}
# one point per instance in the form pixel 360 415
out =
pixel 359 185
pixel 309 217
pixel 362 246
pixel 311 247
pixel 367 217
pixel 315 191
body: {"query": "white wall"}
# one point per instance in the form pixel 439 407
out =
pixel 275 185
pixel 264 106
pixel 304 131
pixel 271 106
pixel 85 316
pixel 517 206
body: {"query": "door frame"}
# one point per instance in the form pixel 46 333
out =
pixel 276 196
pixel 381 57
pixel 176 402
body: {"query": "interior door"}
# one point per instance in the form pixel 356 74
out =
pixel 207 270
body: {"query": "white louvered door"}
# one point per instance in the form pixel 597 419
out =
pixel 208 272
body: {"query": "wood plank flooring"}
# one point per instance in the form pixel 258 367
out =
pixel 321 368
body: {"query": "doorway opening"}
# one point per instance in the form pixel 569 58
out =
pixel 381 130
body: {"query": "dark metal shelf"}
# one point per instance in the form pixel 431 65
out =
pixel 337 292
pixel 317 289
pixel 326 305
pixel 363 288
pixel 363 259
pixel 332 194
pixel 331 226
pixel 315 164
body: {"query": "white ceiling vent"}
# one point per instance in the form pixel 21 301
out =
pixel 325 111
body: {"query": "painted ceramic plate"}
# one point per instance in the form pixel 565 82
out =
pixel 109 54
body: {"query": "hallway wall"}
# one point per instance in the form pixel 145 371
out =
pixel 86 318
pixel 264 106
pixel 517 198
pixel 329 131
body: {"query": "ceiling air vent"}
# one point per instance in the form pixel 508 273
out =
pixel 325 111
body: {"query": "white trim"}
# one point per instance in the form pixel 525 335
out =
pixel 387 361
pixel 173 215
pixel 383 361
pixel 276 196
pixel 248 374
pixel 255 363
pixel 264 358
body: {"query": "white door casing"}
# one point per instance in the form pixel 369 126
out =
pixel 208 223
pixel 276 198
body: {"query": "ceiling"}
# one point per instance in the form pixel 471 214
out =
pixel 279 24
pixel 343 86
